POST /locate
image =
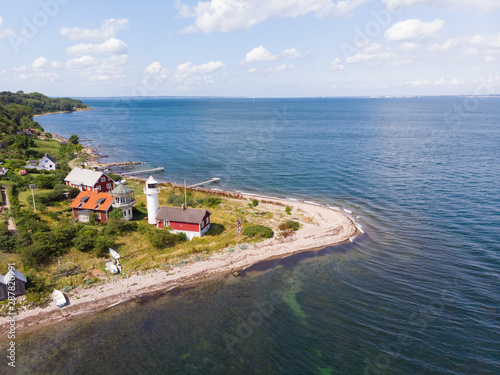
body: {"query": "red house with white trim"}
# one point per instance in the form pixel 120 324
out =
pixel 193 222
pixel 89 201
pixel 89 180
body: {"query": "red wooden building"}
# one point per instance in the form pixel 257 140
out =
pixel 89 201
pixel 193 222
pixel 89 180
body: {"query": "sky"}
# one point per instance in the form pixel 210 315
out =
pixel 251 48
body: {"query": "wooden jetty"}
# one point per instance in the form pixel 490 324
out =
pixel 144 171
pixel 215 179
pixel 122 164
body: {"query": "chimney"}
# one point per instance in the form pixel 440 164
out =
pixel 183 207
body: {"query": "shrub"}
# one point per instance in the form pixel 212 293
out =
pixel 161 238
pixel 102 244
pixel 288 210
pixel 35 254
pixel 210 201
pixel 287 233
pixel 8 244
pixel 45 181
pixel 255 202
pixel 85 240
pixel 290 224
pixel 182 236
pixel 258 231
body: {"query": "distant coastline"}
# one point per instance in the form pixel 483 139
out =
pixel 58 112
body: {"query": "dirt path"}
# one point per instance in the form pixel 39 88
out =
pixel 6 204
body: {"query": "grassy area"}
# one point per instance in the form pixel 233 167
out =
pixel 47 146
pixel 23 196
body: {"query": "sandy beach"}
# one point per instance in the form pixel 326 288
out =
pixel 327 227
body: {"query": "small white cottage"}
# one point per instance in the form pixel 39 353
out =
pixel 47 162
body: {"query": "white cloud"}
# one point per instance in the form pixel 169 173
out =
pixel 97 70
pixel 478 4
pixel 43 63
pixel 494 41
pixel 81 62
pixel 280 68
pixel 40 63
pixel 336 65
pixel 154 68
pixel 154 74
pixel 22 68
pixel 477 39
pixel 470 51
pixel 258 54
pixel 5 33
pixel 413 29
pixel 293 53
pixel 233 15
pixel 108 29
pixel 111 46
pixel 370 53
pixel 188 68
pixel 186 73
pixel 446 46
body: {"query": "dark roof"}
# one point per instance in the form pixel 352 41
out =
pixel 50 158
pixel 189 215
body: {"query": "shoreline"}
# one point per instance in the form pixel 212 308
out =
pixel 331 227
pixel 59 112
pixel 327 227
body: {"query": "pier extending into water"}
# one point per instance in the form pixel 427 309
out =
pixel 215 179
pixel 144 171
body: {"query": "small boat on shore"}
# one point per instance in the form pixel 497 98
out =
pixel 111 267
pixel 59 298
pixel 114 253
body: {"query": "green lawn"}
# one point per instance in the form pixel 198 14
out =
pixel 23 195
pixel 50 147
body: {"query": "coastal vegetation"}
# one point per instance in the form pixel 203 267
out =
pixel 258 231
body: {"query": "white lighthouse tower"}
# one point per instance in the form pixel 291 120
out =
pixel 152 190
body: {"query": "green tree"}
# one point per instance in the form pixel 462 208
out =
pixel 23 142
pixel 74 139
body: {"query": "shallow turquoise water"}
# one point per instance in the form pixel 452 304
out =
pixel 418 294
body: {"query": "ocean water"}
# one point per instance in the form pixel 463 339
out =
pixel 418 293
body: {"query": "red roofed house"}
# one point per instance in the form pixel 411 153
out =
pixel 89 180
pixel 193 222
pixel 89 201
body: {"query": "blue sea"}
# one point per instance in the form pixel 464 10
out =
pixel 418 293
